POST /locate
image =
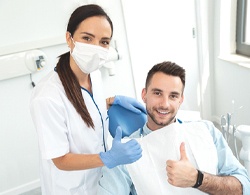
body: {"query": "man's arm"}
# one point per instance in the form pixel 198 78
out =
pixel 213 184
pixel 228 164
pixel 183 174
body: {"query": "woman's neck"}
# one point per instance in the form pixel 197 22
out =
pixel 83 78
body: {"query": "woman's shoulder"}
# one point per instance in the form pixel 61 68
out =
pixel 48 86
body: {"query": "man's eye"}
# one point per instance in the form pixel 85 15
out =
pixel 157 93
pixel 174 96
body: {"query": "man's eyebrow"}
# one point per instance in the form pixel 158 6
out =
pixel 156 89
pixel 159 90
pixel 175 93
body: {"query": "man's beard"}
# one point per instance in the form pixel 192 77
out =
pixel 163 124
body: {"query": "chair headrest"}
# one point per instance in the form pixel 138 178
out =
pixel 126 119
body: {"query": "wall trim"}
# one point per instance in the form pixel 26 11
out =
pixel 22 188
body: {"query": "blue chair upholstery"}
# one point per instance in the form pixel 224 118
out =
pixel 126 119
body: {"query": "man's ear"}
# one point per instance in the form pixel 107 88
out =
pixel 143 95
pixel 182 99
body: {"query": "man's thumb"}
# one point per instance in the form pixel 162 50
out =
pixel 183 152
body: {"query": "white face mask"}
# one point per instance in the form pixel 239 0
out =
pixel 89 57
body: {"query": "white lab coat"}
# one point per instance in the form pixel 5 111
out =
pixel 61 130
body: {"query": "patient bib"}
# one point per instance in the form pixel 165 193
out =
pixel 149 172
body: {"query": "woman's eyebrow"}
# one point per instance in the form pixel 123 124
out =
pixel 88 34
pixel 103 38
pixel 106 38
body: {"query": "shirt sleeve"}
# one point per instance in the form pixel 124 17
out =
pixel 49 120
pixel 115 181
pixel 228 163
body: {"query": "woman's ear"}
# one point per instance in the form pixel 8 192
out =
pixel 68 38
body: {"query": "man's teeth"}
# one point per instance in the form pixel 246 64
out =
pixel 162 112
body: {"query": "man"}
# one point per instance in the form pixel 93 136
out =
pixel 217 172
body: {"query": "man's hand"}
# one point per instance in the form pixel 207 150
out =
pixel 181 173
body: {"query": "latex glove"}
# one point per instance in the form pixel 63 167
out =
pixel 130 104
pixel 121 153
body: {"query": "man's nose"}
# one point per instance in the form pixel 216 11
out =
pixel 165 101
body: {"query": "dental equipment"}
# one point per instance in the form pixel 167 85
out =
pixel 235 142
pixel 18 64
pixel 244 131
pixel 229 116
pixel 223 122
pixel 228 129
pixel 226 126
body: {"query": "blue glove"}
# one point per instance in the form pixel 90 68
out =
pixel 121 153
pixel 130 104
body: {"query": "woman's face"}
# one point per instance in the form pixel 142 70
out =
pixel 95 30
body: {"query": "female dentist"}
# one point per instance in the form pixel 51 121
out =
pixel 69 111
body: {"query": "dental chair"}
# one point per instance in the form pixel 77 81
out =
pixel 126 119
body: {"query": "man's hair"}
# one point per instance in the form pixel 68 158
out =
pixel 169 68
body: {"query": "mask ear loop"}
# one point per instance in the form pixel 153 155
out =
pixel 72 41
pixel 71 38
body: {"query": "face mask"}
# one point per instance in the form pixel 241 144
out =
pixel 89 57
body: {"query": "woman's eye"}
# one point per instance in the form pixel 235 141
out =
pixel 105 42
pixel 87 38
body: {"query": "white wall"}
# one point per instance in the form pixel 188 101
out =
pixel 123 82
pixel 163 31
pixel 28 24
pixel 231 81
pixel 18 141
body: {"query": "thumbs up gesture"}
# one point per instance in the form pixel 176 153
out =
pixel 181 173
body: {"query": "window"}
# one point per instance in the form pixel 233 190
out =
pixel 243 28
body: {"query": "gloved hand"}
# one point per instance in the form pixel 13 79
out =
pixel 121 153
pixel 130 104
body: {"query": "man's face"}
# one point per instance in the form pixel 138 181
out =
pixel 163 98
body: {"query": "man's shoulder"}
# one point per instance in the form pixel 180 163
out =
pixel 208 124
pixel 136 134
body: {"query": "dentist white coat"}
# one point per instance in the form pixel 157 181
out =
pixel 67 132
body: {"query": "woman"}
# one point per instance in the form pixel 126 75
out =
pixel 69 111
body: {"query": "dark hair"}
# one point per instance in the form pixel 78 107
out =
pixel 68 78
pixel 84 12
pixel 168 68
